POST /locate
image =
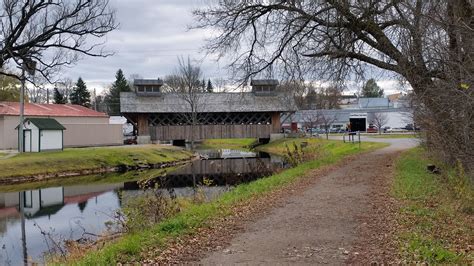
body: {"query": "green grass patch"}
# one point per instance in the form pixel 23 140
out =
pixel 393 136
pixel 134 246
pixel 245 143
pixel 434 226
pixel 75 159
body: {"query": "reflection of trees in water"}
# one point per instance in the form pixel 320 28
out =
pixel 228 172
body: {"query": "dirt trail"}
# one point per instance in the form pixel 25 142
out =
pixel 340 219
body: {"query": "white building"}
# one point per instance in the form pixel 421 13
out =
pixel 42 134
pixel 84 127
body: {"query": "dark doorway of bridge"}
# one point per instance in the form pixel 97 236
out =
pixel 179 142
pixel 358 124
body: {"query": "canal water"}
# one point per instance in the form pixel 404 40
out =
pixel 80 209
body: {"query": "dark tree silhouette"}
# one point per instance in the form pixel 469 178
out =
pixel 210 87
pixel 58 97
pixel 112 99
pixel 80 95
pixel 371 89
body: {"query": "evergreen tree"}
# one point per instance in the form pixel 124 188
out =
pixel 80 95
pixel 371 89
pixel 112 99
pixel 59 98
pixel 203 85
pixel 209 87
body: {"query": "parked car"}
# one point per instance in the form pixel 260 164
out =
pixel 387 129
pixel 372 129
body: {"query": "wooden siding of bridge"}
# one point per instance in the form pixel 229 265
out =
pixel 211 131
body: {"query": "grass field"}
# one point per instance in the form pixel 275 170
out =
pixel 75 159
pixel 135 246
pixel 228 143
pixel 436 214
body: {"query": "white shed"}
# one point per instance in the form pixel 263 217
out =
pixel 42 134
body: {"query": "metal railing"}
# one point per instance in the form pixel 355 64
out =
pixel 351 137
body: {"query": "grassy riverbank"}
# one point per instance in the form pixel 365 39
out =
pixel 229 143
pixel 136 246
pixel 108 178
pixel 77 159
pixel 436 214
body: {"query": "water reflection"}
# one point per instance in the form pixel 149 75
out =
pixel 31 221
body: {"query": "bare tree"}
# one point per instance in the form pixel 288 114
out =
pixel 54 33
pixel 65 87
pixel 430 44
pixel 186 84
pixel 311 121
pixel 326 120
pixel 37 91
pixel 220 84
pixel 380 120
pixel 320 97
pixel 296 90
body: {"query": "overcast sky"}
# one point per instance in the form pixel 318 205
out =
pixel 151 36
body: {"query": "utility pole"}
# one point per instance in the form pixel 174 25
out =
pixel 21 138
pixel 30 66
pixel 47 96
pixel 95 100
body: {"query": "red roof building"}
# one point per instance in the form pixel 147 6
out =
pixel 62 110
pixel 84 126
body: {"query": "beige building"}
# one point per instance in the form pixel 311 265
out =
pixel 84 127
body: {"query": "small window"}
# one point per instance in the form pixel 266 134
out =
pixel 156 88
pixel 149 88
pixel 140 89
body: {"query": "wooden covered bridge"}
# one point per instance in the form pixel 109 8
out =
pixel 161 116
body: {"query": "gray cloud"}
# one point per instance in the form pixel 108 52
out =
pixel 152 34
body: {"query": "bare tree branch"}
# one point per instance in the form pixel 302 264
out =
pixel 54 33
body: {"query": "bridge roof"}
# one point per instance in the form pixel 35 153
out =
pixel 207 103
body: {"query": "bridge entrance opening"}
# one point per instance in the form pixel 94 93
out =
pixel 179 142
pixel 358 124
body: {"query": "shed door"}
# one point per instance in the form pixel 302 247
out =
pixel 27 141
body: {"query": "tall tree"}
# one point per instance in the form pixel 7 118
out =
pixel 52 33
pixel 320 97
pixel 80 95
pixel 371 89
pixel 186 83
pixel 112 99
pixel 210 87
pixel 59 98
pixel 296 90
pixel 427 43
pixel 380 120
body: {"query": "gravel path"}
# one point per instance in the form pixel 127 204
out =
pixel 329 222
